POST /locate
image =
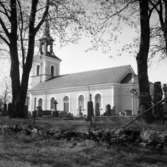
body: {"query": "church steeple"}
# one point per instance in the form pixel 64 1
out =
pixel 46 41
pixel 46 64
pixel 46 33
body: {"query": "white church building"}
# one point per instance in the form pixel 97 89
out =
pixel 50 90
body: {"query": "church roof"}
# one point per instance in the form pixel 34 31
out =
pixel 53 55
pixel 102 76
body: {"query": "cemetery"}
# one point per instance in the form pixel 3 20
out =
pixel 112 113
pixel 92 137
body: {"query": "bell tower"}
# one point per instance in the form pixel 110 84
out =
pixel 46 65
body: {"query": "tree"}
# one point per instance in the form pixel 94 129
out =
pixel 128 11
pixel 20 23
pixel 142 59
pixel 160 31
pixel 16 18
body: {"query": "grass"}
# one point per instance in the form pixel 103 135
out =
pixel 34 151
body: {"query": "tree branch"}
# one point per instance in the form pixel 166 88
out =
pixel 154 6
pixel 114 14
pixel 5 10
pixel 4 39
pixel 43 17
pixel 159 11
pixel 21 33
pixel 4 28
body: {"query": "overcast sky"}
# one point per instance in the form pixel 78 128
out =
pixel 75 59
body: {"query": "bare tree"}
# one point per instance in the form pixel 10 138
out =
pixel 20 23
pixel 13 23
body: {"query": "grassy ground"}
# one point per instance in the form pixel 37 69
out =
pixel 34 151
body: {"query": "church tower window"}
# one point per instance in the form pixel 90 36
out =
pixel 38 70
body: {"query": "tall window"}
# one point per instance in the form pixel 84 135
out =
pixel 97 104
pixel 52 71
pixel 38 69
pixel 52 103
pixel 81 103
pixel 66 103
pixel 40 103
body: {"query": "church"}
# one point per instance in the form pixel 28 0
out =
pixel 49 90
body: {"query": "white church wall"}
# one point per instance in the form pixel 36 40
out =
pixel 116 99
pixel 118 96
pixel 106 93
pixel 128 100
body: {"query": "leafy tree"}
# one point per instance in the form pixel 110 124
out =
pixel 142 58
pixel 20 23
pixel 159 32
pixel 110 15
pixel 17 20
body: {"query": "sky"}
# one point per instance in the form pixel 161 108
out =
pixel 75 59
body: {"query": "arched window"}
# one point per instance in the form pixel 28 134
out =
pixel 40 104
pixel 52 71
pixel 38 70
pixel 81 103
pixel 66 103
pixel 52 103
pixel 97 104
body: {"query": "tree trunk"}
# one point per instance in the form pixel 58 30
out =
pixel 142 58
pixel 164 28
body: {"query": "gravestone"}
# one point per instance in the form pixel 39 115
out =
pixel 90 112
pixel 157 96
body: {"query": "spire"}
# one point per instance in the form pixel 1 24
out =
pixel 46 28
pixel 46 33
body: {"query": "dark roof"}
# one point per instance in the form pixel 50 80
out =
pixel 103 76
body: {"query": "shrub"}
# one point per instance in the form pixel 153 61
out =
pixel 63 114
pixel 41 113
pixel 109 111
pixel 4 110
pixel 55 114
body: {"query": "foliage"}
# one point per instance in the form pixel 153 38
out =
pixel 20 23
pixel 67 115
pixel 118 22
pixel 109 111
